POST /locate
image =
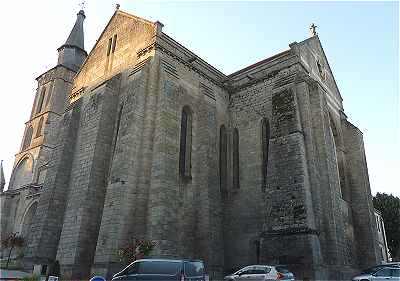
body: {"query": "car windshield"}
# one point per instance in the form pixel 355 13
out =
pixel 371 270
pixel 282 269
pixel 242 270
pixel 194 268
pixel 159 267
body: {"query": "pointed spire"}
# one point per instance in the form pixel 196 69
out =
pixel 76 37
pixel 2 180
pixel 72 53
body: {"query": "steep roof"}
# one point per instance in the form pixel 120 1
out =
pixel 76 37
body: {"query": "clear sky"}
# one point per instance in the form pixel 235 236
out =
pixel 361 41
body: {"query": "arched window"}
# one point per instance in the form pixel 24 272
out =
pixel 23 172
pixel 185 148
pixel 27 220
pixel 39 128
pixel 265 136
pixel 40 101
pixel 28 138
pixel 236 158
pixel 222 158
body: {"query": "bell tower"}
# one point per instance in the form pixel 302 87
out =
pixel 50 102
pixel 40 137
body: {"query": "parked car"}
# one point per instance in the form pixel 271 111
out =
pixel 375 268
pixel 395 263
pixel 261 273
pixel 380 273
pixel 162 270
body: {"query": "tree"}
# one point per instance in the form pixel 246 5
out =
pixel 12 241
pixel 389 206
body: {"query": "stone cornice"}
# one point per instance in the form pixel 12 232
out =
pixel 263 63
pixel 165 39
pixel 52 70
pixel 290 231
pixel 76 95
pixel 72 47
pixel 34 188
pixel 33 147
pixel 219 83
pixel 41 114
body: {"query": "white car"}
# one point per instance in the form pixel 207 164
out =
pixel 386 273
pixel 261 273
pixel 396 263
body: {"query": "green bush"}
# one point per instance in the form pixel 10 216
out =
pixel 32 277
pixel 13 264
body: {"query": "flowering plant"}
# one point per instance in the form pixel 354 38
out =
pixel 136 249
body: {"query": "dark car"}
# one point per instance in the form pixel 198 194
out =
pixel 162 270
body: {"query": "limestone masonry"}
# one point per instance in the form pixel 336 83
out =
pixel 143 139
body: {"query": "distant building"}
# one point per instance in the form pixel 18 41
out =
pixel 382 242
pixel 142 138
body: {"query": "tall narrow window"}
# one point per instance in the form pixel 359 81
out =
pixel 28 138
pixel 39 128
pixel 40 101
pixel 114 45
pixel 109 46
pixel 236 169
pixel 222 158
pixel 265 136
pixel 337 155
pixel 117 130
pixel 185 143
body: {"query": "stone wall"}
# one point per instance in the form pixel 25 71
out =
pixel 185 218
pixel 111 152
pixel 89 170
pixel 125 208
pixel 48 221
pixel 361 199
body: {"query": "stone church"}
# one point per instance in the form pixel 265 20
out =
pixel 141 138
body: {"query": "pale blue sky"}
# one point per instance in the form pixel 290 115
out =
pixel 360 39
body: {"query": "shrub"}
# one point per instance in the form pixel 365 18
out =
pixel 32 277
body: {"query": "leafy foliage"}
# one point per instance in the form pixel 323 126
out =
pixel 135 249
pixel 11 241
pixel 31 278
pixel 389 206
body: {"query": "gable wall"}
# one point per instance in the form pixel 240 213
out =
pixel 310 51
pixel 132 35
